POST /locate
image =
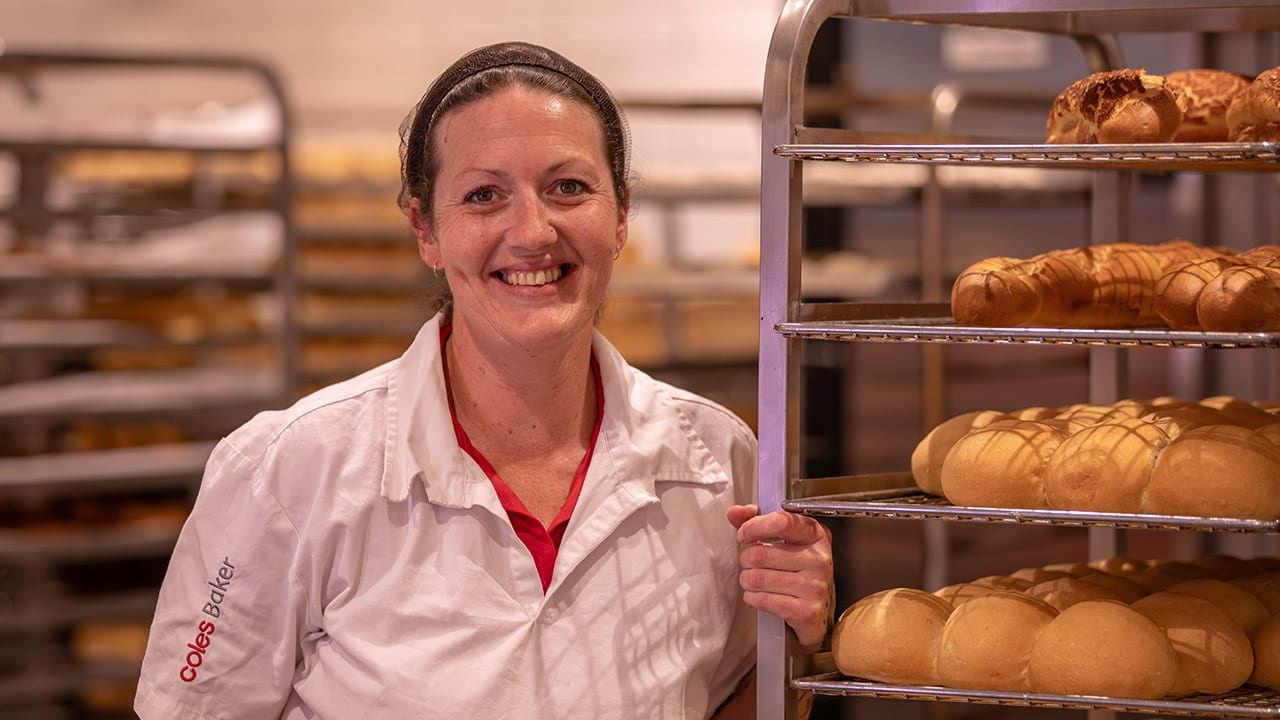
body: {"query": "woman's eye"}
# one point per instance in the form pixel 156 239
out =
pixel 570 187
pixel 481 195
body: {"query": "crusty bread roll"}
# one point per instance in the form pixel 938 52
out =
pixel 1266 654
pixel 1035 413
pixel 1176 420
pixel 1093 648
pixel 1213 653
pixel 926 460
pixel 986 642
pixel 1118 106
pixel 1065 592
pixel 1035 576
pixel 961 593
pixel 891 637
pixel 1254 116
pixel 1238 412
pixel 1001 465
pixel 1179 287
pixel 1215 471
pixel 1104 468
pixel 1084 416
pixel 1204 96
pixel 1162 575
pixel 1225 567
pixel 1243 607
pixel 1242 298
pixel 1127 589
pixel 1265 587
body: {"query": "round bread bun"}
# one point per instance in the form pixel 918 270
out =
pixel 1214 654
pixel 1216 471
pixel 1265 587
pixel 986 642
pixel 1065 592
pixel 1035 576
pixel 1243 607
pixel 891 637
pixel 1254 116
pixel 1266 654
pixel 1104 468
pixel 1164 574
pixel 1120 565
pixel 1225 567
pixel 1243 298
pixel 1116 106
pixel 1204 96
pixel 1086 416
pixel 926 460
pixel 1035 413
pixel 1177 420
pixel 1073 569
pixel 1000 465
pixel 1003 582
pixel 961 593
pixel 1127 589
pixel 1103 648
pixel 1238 412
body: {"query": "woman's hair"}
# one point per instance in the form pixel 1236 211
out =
pixel 482 73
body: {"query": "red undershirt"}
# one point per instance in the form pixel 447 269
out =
pixel 543 543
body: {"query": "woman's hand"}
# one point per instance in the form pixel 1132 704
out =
pixel 786 569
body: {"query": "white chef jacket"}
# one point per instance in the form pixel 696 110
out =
pixel 345 559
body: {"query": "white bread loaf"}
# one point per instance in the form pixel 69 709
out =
pixel 1104 468
pixel 1093 648
pixel 961 593
pixel 986 642
pixel 1035 576
pixel 926 460
pixel 1265 587
pixel 1216 471
pixel 1242 606
pixel 1065 592
pixel 891 637
pixel 1266 654
pixel 1225 567
pixel 1127 589
pixel 1214 654
pixel 1164 574
pixel 1001 465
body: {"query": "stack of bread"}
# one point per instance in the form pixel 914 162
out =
pixel 1117 628
pixel 1125 285
pixel 1133 106
pixel 1216 458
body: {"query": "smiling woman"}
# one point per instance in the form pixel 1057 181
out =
pixel 508 520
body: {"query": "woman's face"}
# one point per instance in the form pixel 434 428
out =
pixel 524 221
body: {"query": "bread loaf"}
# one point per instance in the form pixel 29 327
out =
pixel 1213 653
pixel 1265 587
pixel 1001 465
pixel 987 642
pixel 1093 648
pixel 1204 96
pixel 1254 115
pixel 891 637
pixel 961 593
pixel 1266 654
pixel 1073 569
pixel 1002 582
pixel 1226 567
pixel 1242 606
pixel 1216 471
pixel 926 460
pixel 1163 575
pixel 1118 106
pixel 1226 293
pixel 1127 589
pixel 1065 592
pixel 1104 468
pixel 1035 576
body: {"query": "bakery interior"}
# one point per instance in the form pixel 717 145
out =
pixel 198 221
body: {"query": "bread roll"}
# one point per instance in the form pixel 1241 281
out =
pixel 1128 590
pixel 1001 465
pixel 1104 468
pixel 1242 606
pixel 1238 412
pixel 1035 576
pixel 1176 420
pixel 1121 565
pixel 1225 567
pixel 926 460
pixel 1002 582
pixel 1118 106
pixel 1035 413
pixel 1265 587
pixel 1215 471
pixel 986 642
pixel 1254 116
pixel 1073 569
pixel 1214 654
pixel 1204 96
pixel 1103 648
pixel 1266 654
pixel 891 637
pixel 1242 298
pixel 1065 592
pixel 1163 575
pixel 1178 289
pixel 961 593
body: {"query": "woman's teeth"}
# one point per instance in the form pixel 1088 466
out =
pixel 539 277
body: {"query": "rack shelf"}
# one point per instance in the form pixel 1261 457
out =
pixel 116 470
pixel 908 503
pixel 1246 702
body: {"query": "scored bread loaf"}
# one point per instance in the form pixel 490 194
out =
pixel 1001 465
pixel 1213 653
pixel 987 642
pixel 961 593
pixel 927 459
pixel 1127 589
pixel 1162 575
pixel 1217 471
pixel 1254 116
pixel 1242 606
pixel 1233 298
pixel 1094 647
pixel 1204 96
pixel 891 636
pixel 1117 106
pixel 1099 286
pixel 1104 468
pixel 1226 567
pixel 1065 592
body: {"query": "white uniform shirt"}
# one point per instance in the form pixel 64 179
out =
pixel 346 560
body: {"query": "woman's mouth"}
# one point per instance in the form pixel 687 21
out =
pixel 533 278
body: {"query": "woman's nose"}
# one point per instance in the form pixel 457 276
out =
pixel 530 223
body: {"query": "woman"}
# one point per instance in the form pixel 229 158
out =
pixel 508 521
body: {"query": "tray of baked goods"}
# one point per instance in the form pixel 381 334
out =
pixel 1172 638
pixel 1171 294
pixel 1195 120
pixel 1164 464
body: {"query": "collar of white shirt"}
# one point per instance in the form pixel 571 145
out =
pixel 644 437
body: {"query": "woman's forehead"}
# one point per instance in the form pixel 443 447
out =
pixel 520 118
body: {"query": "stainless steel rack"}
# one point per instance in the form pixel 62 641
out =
pixel 1246 702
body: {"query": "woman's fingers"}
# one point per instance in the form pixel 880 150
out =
pixel 739 514
pixel 806 617
pixel 787 557
pixel 780 582
pixel 784 526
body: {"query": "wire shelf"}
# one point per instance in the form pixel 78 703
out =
pixel 1245 702
pixel 1195 157
pixel 944 330
pixel 911 504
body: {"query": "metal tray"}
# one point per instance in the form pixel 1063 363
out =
pixel 1245 702
pixel 944 330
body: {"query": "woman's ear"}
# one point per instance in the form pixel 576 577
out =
pixel 428 248
pixel 620 233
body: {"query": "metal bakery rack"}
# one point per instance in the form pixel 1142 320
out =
pixel 217 226
pixel 788 147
